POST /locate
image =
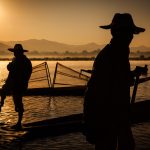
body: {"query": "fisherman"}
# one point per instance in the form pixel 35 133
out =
pixel 16 84
pixel 107 98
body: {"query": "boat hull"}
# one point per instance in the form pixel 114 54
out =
pixel 74 123
pixel 57 91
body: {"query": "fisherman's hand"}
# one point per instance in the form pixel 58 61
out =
pixel 9 66
pixel 140 70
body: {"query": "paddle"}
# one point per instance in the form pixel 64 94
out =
pixel 138 72
pixel 135 89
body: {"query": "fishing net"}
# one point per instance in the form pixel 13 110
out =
pixel 40 77
pixel 65 76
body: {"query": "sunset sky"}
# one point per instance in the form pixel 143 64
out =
pixel 69 21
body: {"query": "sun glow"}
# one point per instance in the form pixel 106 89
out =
pixel 2 11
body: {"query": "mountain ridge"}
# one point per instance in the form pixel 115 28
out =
pixel 51 46
pixel 43 45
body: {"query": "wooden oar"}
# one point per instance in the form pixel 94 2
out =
pixel 135 89
pixel 141 80
pixel 144 79
pixel 139 71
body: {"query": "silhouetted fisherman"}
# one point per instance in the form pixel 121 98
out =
pixel 107 99
pixel 16 84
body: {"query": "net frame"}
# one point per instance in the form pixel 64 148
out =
pixel 79 75
pixel 43 67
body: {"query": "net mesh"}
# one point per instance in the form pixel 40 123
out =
pixel 65 76
pixel 40 77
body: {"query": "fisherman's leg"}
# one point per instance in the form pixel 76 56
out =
pixel 3 95
pixel 125 139
pixel 18 108
pixel 107 140
pixel 20 116
pixel 107 144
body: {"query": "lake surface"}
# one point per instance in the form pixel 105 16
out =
pixel 45 107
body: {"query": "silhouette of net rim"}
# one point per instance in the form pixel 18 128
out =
pixel 69 77
pixel 63 76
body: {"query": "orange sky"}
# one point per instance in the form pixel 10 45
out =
pixel 69 21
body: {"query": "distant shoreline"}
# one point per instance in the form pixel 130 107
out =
pixel 70 59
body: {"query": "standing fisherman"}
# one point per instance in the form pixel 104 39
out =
pixel 107 99
pixel 16 84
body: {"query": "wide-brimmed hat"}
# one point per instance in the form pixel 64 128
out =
pixel 17 48
pixel 123 21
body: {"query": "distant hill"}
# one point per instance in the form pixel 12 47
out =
pixel 141 48
pixel 51 46
pixel 42 46
pixel 3 49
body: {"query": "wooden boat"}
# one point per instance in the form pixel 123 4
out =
pixel 69 90
pixel 57 91
pixel 74 123
pixel 66 81
pixel 53 127
pixel 74 90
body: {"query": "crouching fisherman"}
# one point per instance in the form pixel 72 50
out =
pixel 16 84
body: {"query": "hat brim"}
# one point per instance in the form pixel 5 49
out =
pixel 105 27
pixel 13 50
pixel 136 30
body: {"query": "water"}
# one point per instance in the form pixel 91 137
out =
pixel 40 108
